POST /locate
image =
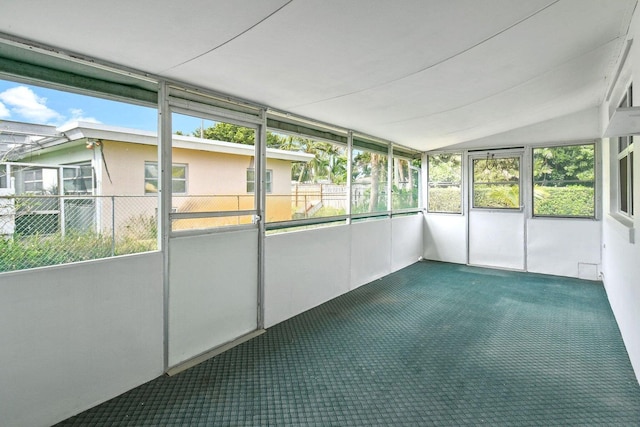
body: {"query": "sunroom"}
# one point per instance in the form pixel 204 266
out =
pixel 358 146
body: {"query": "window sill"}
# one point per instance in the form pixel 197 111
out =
pixel 625 226
pixel 622 219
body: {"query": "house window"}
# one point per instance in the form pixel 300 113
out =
pixel 564 181
pixel 251 180
pixel 178 178
pixel 78 180
pixel 625 164
pixel 445 183
pixel 32 180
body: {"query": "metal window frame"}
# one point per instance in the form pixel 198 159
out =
pixel 496 155
pixel 596 193
pixel 428 182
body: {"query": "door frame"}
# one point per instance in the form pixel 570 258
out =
pixel 184 101
pixel 523 154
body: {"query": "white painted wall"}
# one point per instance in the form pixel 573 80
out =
pixel 406 240
pixel 564 247
pixel 621 276
pixel 370 251
pixel 496 239
pixel 445 238
pixel 77 335
pixel 621 264
pixel 620 256
pixel 213 291
pixel 304 269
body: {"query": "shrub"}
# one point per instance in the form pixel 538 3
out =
pixel 573 200
pixel 445 199
pixel 138 234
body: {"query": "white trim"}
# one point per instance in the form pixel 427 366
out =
pixel 80 130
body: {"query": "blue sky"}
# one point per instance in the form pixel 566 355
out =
pixel 34 104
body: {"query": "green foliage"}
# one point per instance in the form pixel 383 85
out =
pixel 445 199
pixel 574 200
pixel 496 196
pixel 328 164
pixel 445 168
pixel 328 211
pixel 404 198
pixel 39 250
pixel 500 170
pixel 566 163
pixel 229 132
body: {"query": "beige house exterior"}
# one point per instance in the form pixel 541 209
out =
pixel 214 175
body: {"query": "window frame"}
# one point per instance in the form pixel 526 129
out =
pixel 489 156
pixel 383 190
pixel 595 182
pixel 268 181
pixel 173 179
pixel 624 153
pixel 460 183
pixel 37 181
pixel 415 181
pixel 79 168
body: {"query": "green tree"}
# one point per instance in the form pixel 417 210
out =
pixel 565 163
pixel 329 161
pixel 228 132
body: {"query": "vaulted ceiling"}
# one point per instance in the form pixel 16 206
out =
pixel 423 73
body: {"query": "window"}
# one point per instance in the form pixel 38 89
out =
pixel 406 183
pixel 56 205
pixel 178 178
pixel 564 181
pixel 445 183
pixel 496 182
pixel 251 180
pixel 316 178
pixel 218 154
pixel 369 182
pixel 32 180
pixel 625 164
pixel 78 180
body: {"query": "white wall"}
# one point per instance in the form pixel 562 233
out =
pixel 621 257
pixel 621 271
pixel 564 247
pixel 304 269
pixel 406 241
pixel 445 238
pixel 370 251
pixel 213 291
pixel 496 239
pixel 76 335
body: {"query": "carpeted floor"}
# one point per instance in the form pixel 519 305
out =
pixel 432 344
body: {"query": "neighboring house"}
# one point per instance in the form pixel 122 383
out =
pixel 99 160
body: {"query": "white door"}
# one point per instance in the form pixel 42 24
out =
pixel 496 211
pixel 214 239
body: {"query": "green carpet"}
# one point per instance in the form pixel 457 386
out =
pixel 432 344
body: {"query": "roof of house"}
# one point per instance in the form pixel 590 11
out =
pixel 50 138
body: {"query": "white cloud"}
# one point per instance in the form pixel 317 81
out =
pixel 4 111
pixel 24 102
pixel 77 115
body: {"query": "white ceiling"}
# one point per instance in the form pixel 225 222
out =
pixel 423 73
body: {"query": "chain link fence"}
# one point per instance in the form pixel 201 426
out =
pixel 38 230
